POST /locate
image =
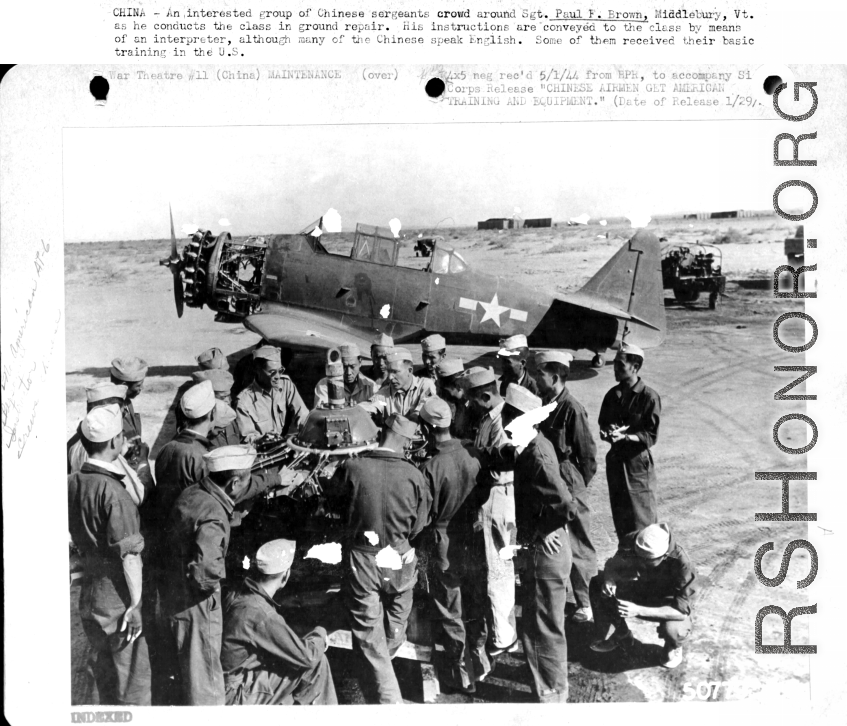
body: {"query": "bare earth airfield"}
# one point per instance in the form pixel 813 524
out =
pixel 714 373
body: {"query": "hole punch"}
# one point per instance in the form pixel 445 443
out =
pixel 771 84
pixel 99 88
pixel 434 87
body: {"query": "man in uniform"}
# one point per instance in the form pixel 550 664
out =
pixel 380 348
pixel 544 508
pixel 271 403
pixel 451 477
pixel 105 526
pixel 567 429
pixel 650 579
pixel 451 388
pixel 264 661
pixel 404 392
pixel 629 421
pixel 222 382
pixel 131 373
pixel 357 386
pixel 433 350
pixel 199 530
pixel 384 503
pixel 496 516
pixel 513 356
pixel 213 359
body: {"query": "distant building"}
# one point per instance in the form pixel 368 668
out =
pixel 732 214
pixel 497 223
pixel 540 222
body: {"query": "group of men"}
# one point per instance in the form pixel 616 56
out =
pixel 506 470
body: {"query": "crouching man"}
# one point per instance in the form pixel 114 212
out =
pixel 264 661
pixel 652 580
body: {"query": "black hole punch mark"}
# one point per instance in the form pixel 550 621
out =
pixel 434 87
pixel 771 84
pixel 99 88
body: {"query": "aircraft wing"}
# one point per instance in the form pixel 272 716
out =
pixel 306 330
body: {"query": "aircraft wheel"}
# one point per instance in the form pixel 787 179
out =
pixel 598 361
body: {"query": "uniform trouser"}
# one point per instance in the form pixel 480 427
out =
pixel 582 548
pixel 544 643
pixel 198 635
pixel 499 529
pixel 632 492
pixel 312 687
pixel 673 632
pixel 379 600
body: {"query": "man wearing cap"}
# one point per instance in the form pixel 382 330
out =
pixel 221 380
pixel 567 429
pixel 106 528
pixel 131 373
pixel 433 350
pixel 451 388
pixel 451 477
pixel 384 502
pixel 357 386
pixel 404 392
pixel 213 359
pixel 271 403
pixel 381 346
pixel 513 356
pixel 198 534
pixel 544 508
pixel 629 421
pixel 264 661
pixel 496 516
pixel 650 579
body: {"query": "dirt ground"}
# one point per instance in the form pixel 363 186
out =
pixel 714 374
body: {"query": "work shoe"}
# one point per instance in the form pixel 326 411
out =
pixel 673 657
pixel 582 615
pixel 621 638
pixel 506 649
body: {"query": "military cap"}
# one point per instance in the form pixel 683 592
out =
pixel 449 367
pixel 268 352
pixel 102 390
pixel 221 379
pixel 630 349
pixel 510 346
pixel 381 340
pixel 477 377
pixel 653 541
pixel 230 458
pixel 401 425
pixel 521 398
pixel 350 352
pixel 275 557
pixel 212 359
pixel 433 342
pixel 198 400
pixel 102 424
pixel 436 412
pixel 129 369
pixel 553 356
pixel 399 354
pixel 224 414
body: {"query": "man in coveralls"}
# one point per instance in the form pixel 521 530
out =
pixel 131 373
pixel 105 526
pixel 264 661
pixel 384 502
pixel 567 429
pixel 629 421
pixel 544 506
pixel 199 531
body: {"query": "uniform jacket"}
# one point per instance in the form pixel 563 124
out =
pixel 256 636
pixel 131 481
pixel 640 409
pixel 490 440
pixel 362 391
pixel 179 465
pixel 198 535
pixel 526 381
pixel 543 503
pixel 451 477
pixel 383 493
pixel 389 400
pixel 278 410
pixel 567 429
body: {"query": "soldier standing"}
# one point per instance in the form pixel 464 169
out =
pixel 380 348
pixel 357 386
pixel 451 387
pixel 433 350
pixel 131 372
pixel 514 356
pixel 404 392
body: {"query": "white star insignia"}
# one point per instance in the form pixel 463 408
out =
pixel 493 310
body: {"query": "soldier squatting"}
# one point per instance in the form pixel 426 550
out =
pixel 503 476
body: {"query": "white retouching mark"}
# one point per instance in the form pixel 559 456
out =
pixel 508 552
pixel 389 558
pixel 372 537
pixel 385 311
pixel 395 226
pixel 330 553
pixel 332 220
pixel 522 429
pixel 245 563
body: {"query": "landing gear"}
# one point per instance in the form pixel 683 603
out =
pixel 598 361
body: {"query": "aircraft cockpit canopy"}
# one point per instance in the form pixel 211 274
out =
pixel 446 260
pixel 375 244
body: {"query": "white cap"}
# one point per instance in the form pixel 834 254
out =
pixel 522 398
pixel 224 414
pixel 433 342
pixel 198 400
pixel 630 349
pixel 553 356
pixel 230 458
pixel 275 557
pixel 509 346
pixel 129 369
pixel 103 423
pixel 104 389
pixel 653 541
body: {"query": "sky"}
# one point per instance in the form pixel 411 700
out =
pixel 118 182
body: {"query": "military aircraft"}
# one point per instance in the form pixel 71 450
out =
pixel 293 292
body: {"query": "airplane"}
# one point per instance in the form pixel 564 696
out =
pixel 293 292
